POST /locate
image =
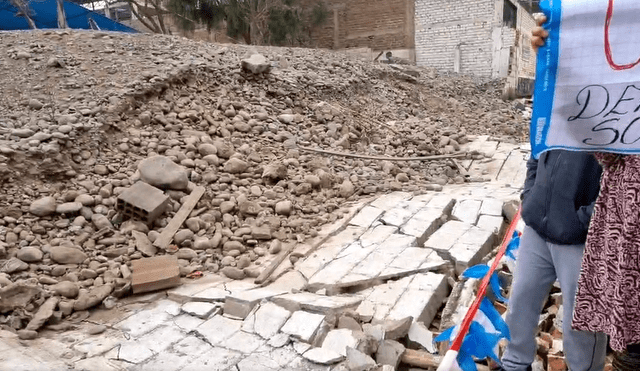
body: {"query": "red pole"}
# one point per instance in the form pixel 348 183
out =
pixel 471 313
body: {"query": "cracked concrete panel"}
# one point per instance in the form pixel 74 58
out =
pixel 177 356
pixel 389 201
pixel 303 325
pixel 366 216
pixel 216 359
pixel 467 211
pixel 218 329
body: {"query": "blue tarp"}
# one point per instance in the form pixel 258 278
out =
pixel 45 15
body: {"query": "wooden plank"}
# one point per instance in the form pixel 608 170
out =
pixel 275 263
pixel 170 230
pixel 426 360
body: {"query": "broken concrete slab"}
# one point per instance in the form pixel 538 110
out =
pixel 420 334
pixel 358 361
pixel 243 342
pixel 329 250
pixel 467 211
pixel 423 224
pixel 150 274
pixel 240 304
pixel 218 329
pixel 444 238
pixel 303 325
pixel 186 292
pixel 418 296
pixel 401 212
pixel 492 207
pixel 422 299
pixel 323 356
pixel 390 353
pixel 220 292
pixel 200 309
pixel 338 341
pixel 377 235
pixel 395 329
pixel 366 216
pixel 390 200
pixel 316 303
pixel 491 223
pixel 266 320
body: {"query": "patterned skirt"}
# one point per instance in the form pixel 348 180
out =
pixel 608 297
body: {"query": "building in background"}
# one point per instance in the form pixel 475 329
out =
pixel 486 38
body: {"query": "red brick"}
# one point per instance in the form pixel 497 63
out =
pixel 150 274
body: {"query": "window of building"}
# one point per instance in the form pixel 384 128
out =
pixel 509 14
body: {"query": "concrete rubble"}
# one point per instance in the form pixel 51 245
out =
pixel 149 181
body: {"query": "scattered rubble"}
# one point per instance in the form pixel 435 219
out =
pixel 237 167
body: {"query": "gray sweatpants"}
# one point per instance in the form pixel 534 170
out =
pixel 538 265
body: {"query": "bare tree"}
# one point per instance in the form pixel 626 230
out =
pixel 151 14
pixel 24 11
pixel 62 17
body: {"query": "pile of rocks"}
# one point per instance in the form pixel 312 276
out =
pixel 85 115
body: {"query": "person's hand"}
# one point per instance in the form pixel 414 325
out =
pixel 539 34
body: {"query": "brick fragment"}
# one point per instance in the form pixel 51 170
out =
pixel 150 274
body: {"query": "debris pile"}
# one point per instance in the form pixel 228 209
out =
pixel 117 147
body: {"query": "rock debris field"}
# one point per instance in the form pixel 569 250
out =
pixel 259 154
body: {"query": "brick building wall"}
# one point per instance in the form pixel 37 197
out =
pixel 444 26
pixel 471 37
pixel 375 24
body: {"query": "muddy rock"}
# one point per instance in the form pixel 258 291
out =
pixel 161 172
pixel 29 254
pixel 43 207
pixel 233 273
pixel 67 255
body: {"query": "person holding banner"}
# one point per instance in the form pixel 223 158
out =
pixel 559 194
pixel 608 297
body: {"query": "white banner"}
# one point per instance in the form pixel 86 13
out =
pixel 587 93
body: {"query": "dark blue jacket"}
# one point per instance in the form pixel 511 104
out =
pixel 559 195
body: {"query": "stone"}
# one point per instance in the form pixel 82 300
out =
pixel 358 361
pixel 96 329
pixel 143 244
pixel 348 322
pixel 346 189
pixel 323 356
pixel 35 104
pixel 235 166
pixel 69 208
pixel 233 273
pixel 93 297
pixel 101 221
pixel 27 334
pixel 161 172
pixel 390 353
pixel 256 64
pixel 396 329
pixel 339 340
pixel 14 265
pixel 43 314
pixel 284 208
pixel 67 289
pixel 67 255
pixel 43 206
pixel 183 235
pixel 420 334
pixel 206 149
